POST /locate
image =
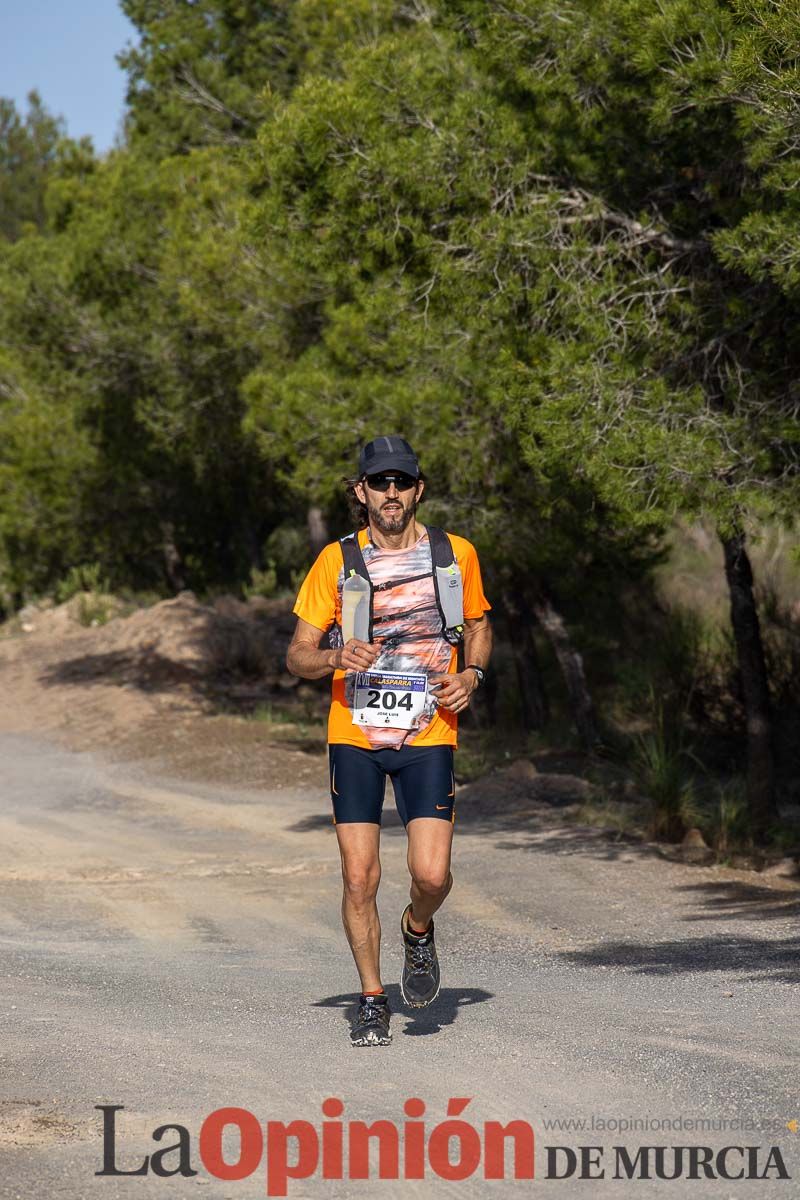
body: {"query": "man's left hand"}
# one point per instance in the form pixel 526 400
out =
pixel 453 691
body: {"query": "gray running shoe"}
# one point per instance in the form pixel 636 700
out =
pixel 371 1026
pixel 421 977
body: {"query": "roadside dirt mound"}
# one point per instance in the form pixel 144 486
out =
pixel 517 795
pixel 93 685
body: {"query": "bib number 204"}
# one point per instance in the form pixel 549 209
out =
pixel 388 700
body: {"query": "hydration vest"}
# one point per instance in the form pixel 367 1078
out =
pixel 448 587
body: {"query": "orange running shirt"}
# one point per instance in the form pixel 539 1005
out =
pixel 407 625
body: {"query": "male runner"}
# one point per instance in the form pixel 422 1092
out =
pixel 402 726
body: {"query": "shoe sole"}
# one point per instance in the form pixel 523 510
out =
pixel 371 1039
pixel 415 1003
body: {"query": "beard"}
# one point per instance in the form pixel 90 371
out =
pixel 392 522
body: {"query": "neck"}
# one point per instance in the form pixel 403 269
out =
pixel 397 541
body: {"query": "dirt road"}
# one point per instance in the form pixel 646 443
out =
pixel 174 946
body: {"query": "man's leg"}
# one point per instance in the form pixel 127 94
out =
pixel 358 783
pixel 429 845
pixel 429 842
pixel 359 845
pixel 424 789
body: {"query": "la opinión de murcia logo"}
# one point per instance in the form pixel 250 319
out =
pixel 452 1149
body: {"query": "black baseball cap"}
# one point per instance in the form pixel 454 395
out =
pixel 388 454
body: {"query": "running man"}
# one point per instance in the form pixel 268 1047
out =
pixel 397 692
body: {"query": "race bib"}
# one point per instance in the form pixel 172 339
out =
pixel 388 699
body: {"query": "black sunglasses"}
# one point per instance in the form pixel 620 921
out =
pixel 382 483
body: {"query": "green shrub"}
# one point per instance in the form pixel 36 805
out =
pixel 731 823
pixel 287 553
pixel 271 714
pixel 86 578
pixel 660 762
pixel 95 608
pixel 262 583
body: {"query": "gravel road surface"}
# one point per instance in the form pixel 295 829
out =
pixel 175 947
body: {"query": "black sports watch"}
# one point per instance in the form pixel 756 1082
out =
pixel 479 671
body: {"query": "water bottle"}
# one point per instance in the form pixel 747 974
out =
pixel 356 594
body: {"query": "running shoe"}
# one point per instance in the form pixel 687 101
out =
pixel 371 1026
pixel 421 977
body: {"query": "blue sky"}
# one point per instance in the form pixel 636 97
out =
pixel 65 49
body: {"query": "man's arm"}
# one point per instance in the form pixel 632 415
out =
pixel 454 691
pixel 477 643
pixel 306 659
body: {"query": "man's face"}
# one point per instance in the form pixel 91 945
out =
pixel 391 499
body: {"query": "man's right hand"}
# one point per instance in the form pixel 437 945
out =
pixel 355 655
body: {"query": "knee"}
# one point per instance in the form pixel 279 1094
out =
pixel 432 881
pixel 361 884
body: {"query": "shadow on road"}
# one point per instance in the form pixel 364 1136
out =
pixel 421 1022
pixel 596 843
pixel 776 960
pixel 730 899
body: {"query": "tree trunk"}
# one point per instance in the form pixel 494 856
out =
pixel 535 710
pixel 571 664
pixel 755 686
pixel 318 534
pixel 173 563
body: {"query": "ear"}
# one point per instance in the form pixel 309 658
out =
pixel 420 489
pixel 361 495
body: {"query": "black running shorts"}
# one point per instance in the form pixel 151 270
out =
pixel 422 779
